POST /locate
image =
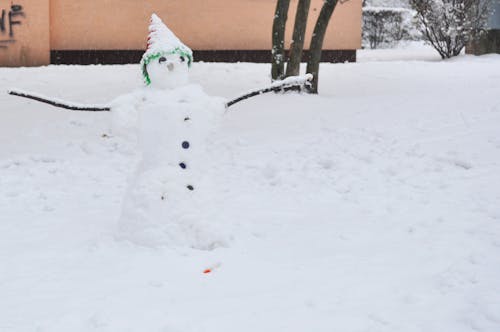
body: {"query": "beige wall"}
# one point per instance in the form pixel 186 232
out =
pixel 30 43
pixel 201 24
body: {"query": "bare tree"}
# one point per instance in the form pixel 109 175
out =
pixel 448 25
pixel 278 50
pixel 299 30
pixel 385 25
pixel 317 42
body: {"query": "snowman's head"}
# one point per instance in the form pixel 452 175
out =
pixel 167 70
pixel 166 61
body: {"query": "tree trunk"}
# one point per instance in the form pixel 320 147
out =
pixel 278 50
pixel 317 42
pixel 299 31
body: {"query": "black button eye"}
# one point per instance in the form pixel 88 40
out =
pixel 182 59
pixel 162 59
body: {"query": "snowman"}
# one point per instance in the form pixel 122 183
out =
pixel 167 201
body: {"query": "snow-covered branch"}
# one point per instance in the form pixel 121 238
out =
pixel 289 83
pixel 59 102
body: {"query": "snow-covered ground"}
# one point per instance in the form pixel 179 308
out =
pixel 374 206
pixel 405 51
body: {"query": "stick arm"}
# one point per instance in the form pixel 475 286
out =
pixel 289 83
pixel 58 102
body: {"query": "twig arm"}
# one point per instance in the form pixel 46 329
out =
pixel 59 103
pixel 297 83
pixel 290 83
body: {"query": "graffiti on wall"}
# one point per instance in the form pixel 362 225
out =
pixel 9 18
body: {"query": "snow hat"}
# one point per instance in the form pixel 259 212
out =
pixel 162 42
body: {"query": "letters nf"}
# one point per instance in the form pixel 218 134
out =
pixel 9 18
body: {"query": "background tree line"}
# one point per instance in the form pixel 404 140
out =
pixel 280 69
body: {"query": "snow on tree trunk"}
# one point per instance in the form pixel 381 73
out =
pixel 317 42
pixel 293 67
pixel 278 50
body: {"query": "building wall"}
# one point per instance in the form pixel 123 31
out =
pixel 494 21
pixel 489 41
pixel 24 33
pixel 236 25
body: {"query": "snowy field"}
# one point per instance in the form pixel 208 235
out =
pixel 373 207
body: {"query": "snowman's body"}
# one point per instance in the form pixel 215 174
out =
pixel 167 202
pixel 168 199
